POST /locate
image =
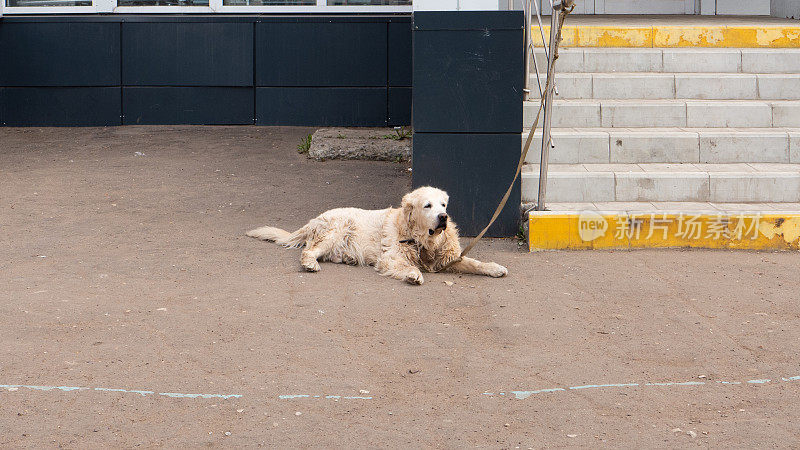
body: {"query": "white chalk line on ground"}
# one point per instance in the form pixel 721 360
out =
pixel 16 387
pixel 522 395
pixel 335 397
pixel 143 393
pixel 519 395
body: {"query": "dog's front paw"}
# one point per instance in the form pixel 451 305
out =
pixel 311 266
pixel 414 278
pixel 496 270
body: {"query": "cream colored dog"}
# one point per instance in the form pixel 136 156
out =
pixel 400 242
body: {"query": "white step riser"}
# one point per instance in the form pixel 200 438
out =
pixel 668 113
pixel 721 187
pixel 673 60
pixel 656 146
pixel 674 86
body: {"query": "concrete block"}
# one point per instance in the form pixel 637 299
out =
pixel 684 206
pixel 721 147
pixel 662 187
pixel 749 114
pixel 775 167
pixel 785 8
pixel 612 168
pixel 653 146
pixel 730 167
pixel 743 8
pixel 738 208
pixel 719 60
pixel 670 168
pixel 571 147
pixel 568 85
pixel 573 113
pixel 788 206
pixel 786 114
pixel 633 85
pixel 570 187
pixel 570 206
pixel 566 114
pixel 755 187
pixel 569 59
pixel 716 86
pixel 584 7
pixel 636 207
pixel 708 7
pixel 639 7
pixel 622 60
pixel 771 60
pixel 794 147
pixel 643 113
pixel 779 86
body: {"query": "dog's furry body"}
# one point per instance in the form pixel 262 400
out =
pixel 400 242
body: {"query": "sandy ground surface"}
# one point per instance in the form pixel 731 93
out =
pixel 122 271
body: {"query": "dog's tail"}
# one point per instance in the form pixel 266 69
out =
pixel 279 236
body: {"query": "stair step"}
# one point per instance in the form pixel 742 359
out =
pixel 734 183
pixel 669 113
pixel 655 85
pixel 660 207
pixel 668 145
pixel 729 60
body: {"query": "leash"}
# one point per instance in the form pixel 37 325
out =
pixel 562 16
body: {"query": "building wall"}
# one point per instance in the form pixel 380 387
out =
pixel 115 70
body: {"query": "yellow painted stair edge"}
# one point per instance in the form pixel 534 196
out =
pixel 628 230
pixel 721 36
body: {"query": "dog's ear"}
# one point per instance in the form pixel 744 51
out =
pixel 407 203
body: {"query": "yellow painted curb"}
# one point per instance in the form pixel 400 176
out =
pixel 722 36
pixel 626 230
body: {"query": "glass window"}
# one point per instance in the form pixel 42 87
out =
pixel 162 2
pixel 270 2
pixel 367 2
pixel 32 3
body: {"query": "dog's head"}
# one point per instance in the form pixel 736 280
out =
pixel 426 210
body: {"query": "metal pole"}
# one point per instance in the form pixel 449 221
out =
pixel 526 6
pixel 548 111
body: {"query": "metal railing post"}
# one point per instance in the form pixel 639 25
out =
pixel 526 7
pixel 548 110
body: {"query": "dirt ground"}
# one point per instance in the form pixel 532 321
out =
pixel 130 271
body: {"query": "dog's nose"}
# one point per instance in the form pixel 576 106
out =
pixel 442 217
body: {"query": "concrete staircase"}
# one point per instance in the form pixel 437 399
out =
pixel 710 126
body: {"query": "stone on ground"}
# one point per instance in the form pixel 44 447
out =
pixel 377 144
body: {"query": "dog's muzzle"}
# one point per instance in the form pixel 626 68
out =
pixel 441 225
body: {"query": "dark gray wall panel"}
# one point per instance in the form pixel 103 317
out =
pixel 475 169
pixel 400 65
pixel 365 107
pixel 59 54
pixel 476 75
pixel 399 106
pixel 321 54
pixel 467 112
pixel 187 54
pixel 354 54
pixel 188 105
pixel 60 106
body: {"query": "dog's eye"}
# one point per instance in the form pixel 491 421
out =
pixel 444 205
pixel 428 205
